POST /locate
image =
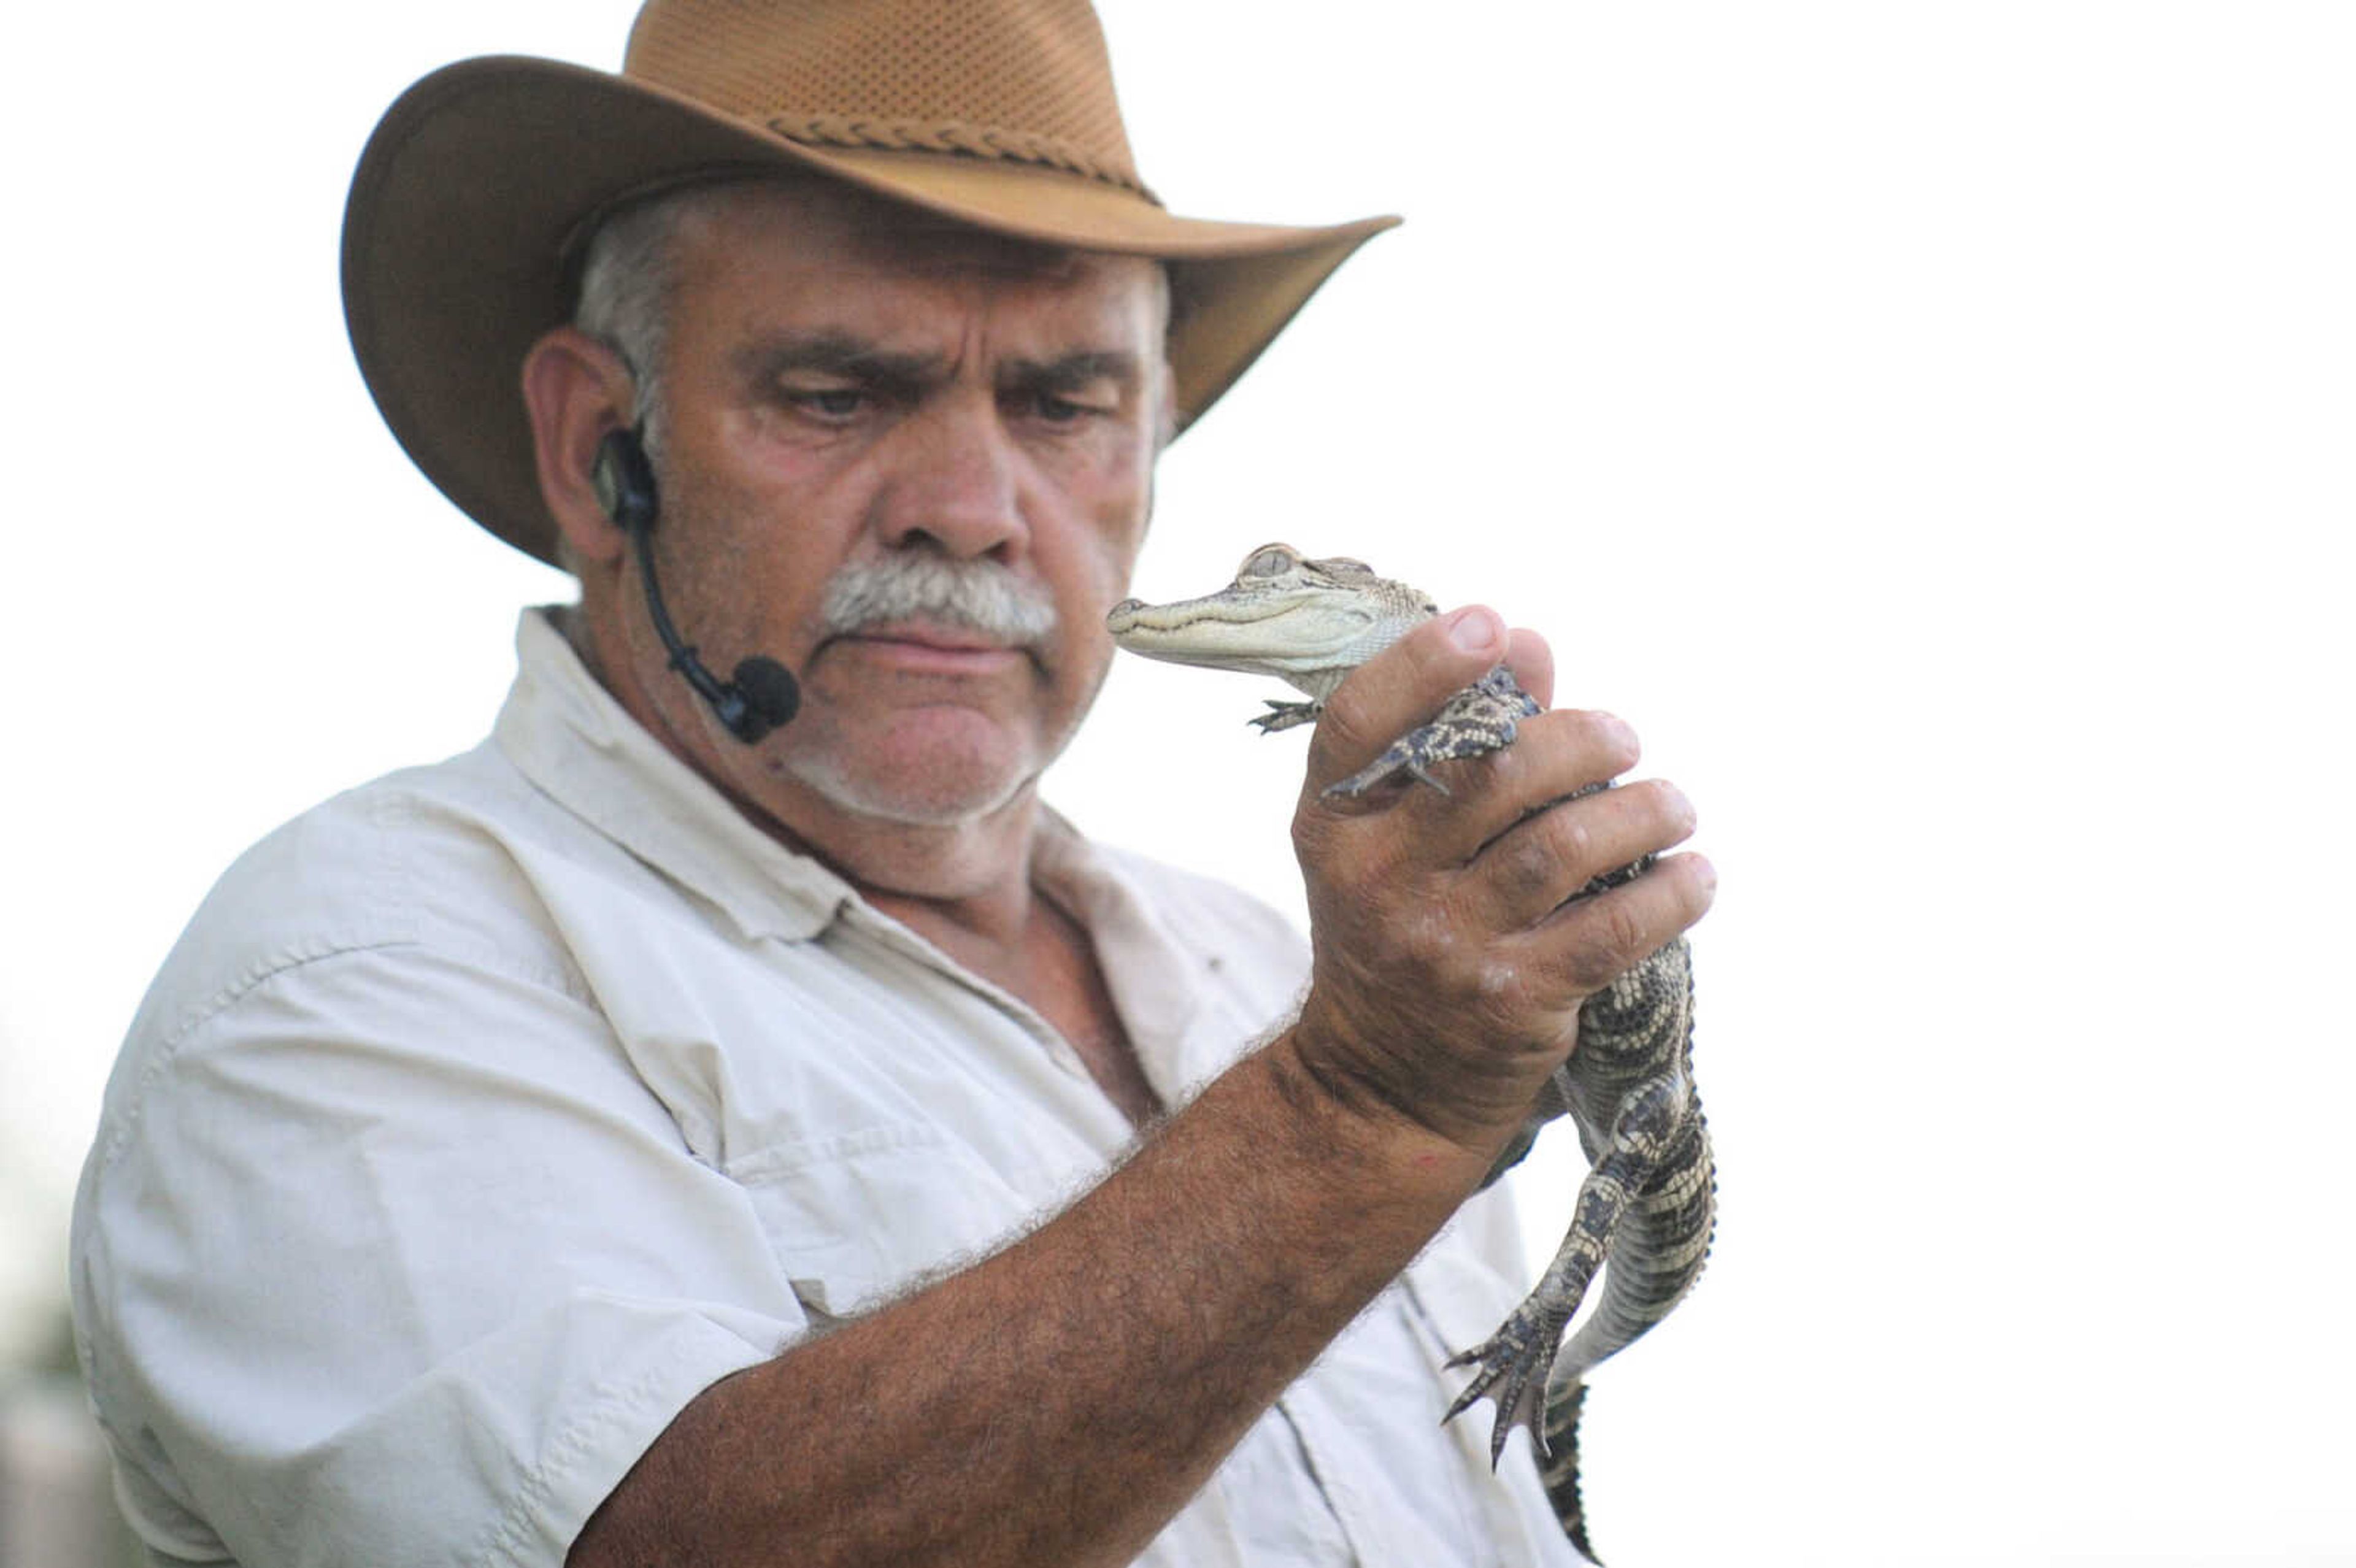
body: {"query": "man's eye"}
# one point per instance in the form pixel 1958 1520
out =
pixel 829 402
pixel 1056 409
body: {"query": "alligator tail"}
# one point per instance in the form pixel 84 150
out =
pixel 1559 1466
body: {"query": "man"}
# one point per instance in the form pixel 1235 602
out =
pixel 659 1135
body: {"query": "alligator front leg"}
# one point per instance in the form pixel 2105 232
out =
pixel 1479 719
pixel 1515 1361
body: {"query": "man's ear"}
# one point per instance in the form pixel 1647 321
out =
pixel 575 389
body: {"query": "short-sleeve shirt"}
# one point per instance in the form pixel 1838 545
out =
pixel 487 1113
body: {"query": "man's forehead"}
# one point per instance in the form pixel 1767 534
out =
pixel 809 217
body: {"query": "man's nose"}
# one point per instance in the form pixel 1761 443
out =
pixel 953 482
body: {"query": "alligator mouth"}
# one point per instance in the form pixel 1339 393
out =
pixel 1301 632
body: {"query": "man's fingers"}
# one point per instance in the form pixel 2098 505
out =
pixel 1400 687
pixel 1526 873
pixel 1554 756
pixel 1583 946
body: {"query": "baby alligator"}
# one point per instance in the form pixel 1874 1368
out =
pixel 1648 1205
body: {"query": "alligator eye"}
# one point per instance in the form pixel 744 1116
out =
pixel 1269 561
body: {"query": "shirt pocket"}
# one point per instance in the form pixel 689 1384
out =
pixel 858 1217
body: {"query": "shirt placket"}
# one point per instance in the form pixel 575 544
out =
pixel 1357 1516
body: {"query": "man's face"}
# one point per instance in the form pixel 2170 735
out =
pixel 848 388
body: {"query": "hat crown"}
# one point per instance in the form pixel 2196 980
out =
pixel 1026 82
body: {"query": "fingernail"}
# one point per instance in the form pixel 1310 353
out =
pixel 1475 630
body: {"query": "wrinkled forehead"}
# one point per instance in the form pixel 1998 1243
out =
pixel 822 218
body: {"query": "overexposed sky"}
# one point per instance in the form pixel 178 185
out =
pixel 1933 425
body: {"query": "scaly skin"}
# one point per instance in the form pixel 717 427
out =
pixel 1648 1205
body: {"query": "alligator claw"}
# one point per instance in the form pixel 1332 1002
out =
pixel 1514 1364
pixel 1285 715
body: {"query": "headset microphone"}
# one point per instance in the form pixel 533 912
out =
pixel 762 694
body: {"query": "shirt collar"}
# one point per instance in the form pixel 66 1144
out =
pixel 565 733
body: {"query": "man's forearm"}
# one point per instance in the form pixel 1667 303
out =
pixel 1059 1402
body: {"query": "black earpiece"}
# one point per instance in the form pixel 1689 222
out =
pixel 625 480
pixel 762 694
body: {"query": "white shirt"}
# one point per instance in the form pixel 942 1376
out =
pixel 485 1114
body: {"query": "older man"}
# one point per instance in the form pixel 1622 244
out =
pixel 668 1135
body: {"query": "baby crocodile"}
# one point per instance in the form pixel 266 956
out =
pixel 1647 1204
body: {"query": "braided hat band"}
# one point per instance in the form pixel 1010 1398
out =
pixel 972 141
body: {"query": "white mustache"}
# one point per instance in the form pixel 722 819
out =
pixel 906 585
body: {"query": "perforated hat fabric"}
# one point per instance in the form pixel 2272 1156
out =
pixel 474 192
pixel 992 78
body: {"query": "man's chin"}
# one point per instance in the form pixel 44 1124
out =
pixel 942 798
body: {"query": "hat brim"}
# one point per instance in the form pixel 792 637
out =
pixel 460 212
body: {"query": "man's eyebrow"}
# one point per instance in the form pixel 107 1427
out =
pixel 1071 372
pixel 859 359
pixel 836 354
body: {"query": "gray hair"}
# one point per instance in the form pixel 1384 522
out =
pixel 628 280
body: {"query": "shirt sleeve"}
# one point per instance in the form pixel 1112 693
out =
pixel 390 1259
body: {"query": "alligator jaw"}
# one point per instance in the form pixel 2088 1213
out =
pixel 1291 632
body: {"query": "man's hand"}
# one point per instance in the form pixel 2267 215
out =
pixel 1449 969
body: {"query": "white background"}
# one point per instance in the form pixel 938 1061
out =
pixel 1930 424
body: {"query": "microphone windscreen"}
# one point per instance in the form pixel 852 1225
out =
pixel 769 688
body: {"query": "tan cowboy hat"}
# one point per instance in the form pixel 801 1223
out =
pixel 470 201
